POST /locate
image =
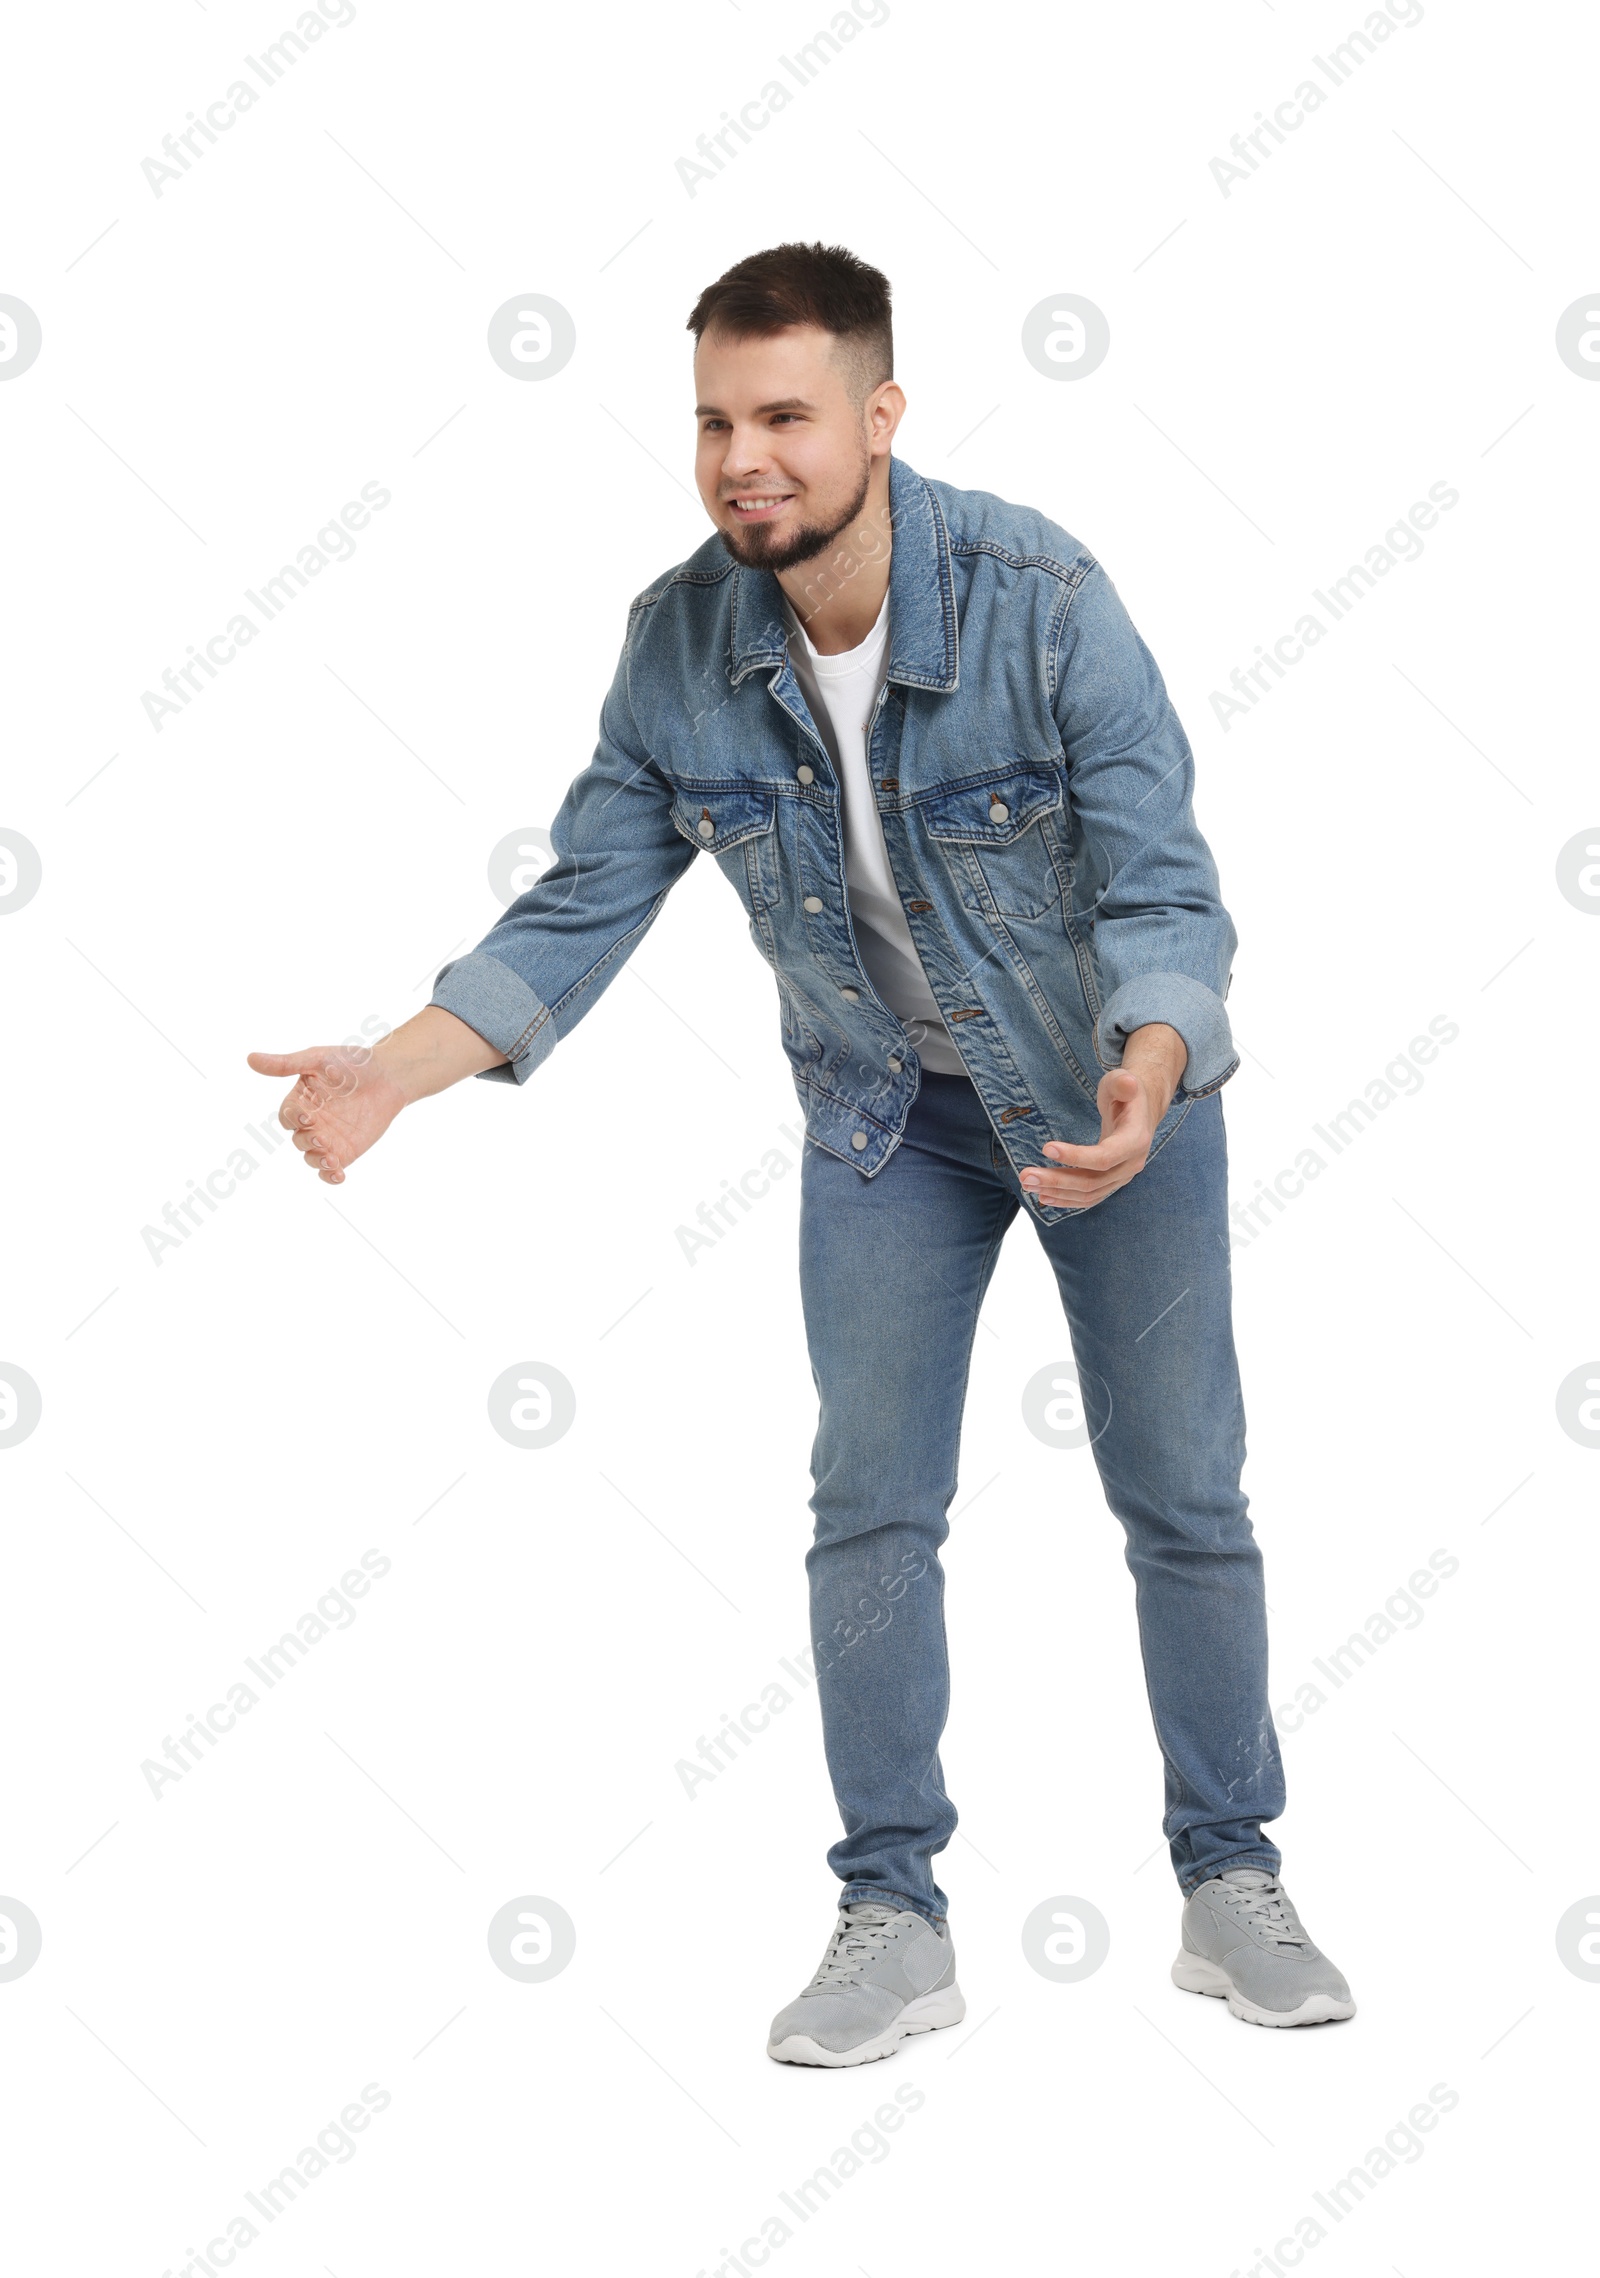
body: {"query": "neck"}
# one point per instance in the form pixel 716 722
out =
pixel 838 593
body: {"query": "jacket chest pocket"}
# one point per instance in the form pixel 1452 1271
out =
pixel 738 824
pixel 999 840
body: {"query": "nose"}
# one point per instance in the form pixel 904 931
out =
pixel 746 454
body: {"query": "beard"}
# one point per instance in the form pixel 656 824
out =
pixel 754 547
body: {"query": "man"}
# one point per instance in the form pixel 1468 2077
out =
pixel 916 730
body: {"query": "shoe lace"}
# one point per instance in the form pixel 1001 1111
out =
pixel 1267 1908
pixel 861 1935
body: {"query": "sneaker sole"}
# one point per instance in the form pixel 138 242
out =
pixel 1196 1975
pixel 924 2015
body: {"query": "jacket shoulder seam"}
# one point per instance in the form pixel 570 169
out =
pixel 1073 570
pixel 1085 564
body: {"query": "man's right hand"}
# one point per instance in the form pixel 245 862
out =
pixel 342 1103
pixel 345 1099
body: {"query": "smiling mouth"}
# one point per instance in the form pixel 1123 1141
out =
pixel 757 507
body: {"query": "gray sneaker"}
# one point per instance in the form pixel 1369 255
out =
pixel 1243 1941
pixel 885 1974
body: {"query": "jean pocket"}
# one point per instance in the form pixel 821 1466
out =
pixel 997 840
pixel 737 823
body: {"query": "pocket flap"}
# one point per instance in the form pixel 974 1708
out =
pixel 722 815
pixel 993 809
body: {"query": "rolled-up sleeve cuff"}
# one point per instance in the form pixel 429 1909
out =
pixel 1195 1011
pixel 506 1013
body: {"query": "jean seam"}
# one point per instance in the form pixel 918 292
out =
pixel 987 1269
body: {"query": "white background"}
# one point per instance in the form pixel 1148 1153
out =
pixel 304 1377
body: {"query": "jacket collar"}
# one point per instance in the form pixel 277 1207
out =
pixel 924 641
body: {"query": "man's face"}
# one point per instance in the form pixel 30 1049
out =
pixel 784 457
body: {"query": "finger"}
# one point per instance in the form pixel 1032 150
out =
pixel 302 1105
pixel 1112 1158
pixel 332 1075
pixel 1076 1198
pixel 1103 1153
pixel 314 1087
pixel 1074 1180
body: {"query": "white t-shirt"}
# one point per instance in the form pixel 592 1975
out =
pixel 841 692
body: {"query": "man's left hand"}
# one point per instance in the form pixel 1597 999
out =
pixel 1132 1100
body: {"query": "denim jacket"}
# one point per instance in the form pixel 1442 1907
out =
pixel 1034 785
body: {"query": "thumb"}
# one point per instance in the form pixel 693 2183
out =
pixel 310 1062
pixel 1119 1088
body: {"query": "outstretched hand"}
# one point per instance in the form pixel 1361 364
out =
pixel 342 1103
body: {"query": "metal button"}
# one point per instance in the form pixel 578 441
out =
pixel 812 903
pixel 851 996
pixel 707 828
pixel 804 775
pixel 998 811
pixel 895 1065
pixel 858 1140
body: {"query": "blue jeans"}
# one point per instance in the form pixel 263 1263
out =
pixel 893 1270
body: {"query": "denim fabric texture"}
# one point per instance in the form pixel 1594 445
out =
pixel 893 1272
pixel 1034 786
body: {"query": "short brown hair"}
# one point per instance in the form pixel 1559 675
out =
pixel 824 285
